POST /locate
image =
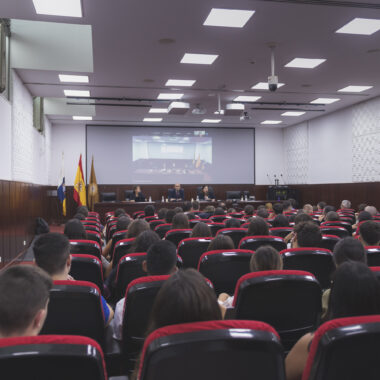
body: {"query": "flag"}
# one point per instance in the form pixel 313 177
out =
pixel 93 194
pixel 61 191
pixel 79 186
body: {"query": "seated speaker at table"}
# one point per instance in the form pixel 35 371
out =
pixel 137 195
pixel 176 193
pixel 206 193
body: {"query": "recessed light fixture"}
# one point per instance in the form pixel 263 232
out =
pixel 273 122
pixel 324 101
pixel 246 98
pixel 293 113
pixel 164 96
pixel 264 86
pixel 199 59
pixel 355 88
pixel 68 8
pixel 158 110
pixel 305 63
pixel 82 117
pixel 231 18
pixel 84 93
pixel 73 78
pixel 153 119
pixel 180 82
pixel 364 26
pixel 211 121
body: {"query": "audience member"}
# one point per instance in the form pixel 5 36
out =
pixel 149 210
pixel 169 216
pixel 306 234
pixel 180 221
pixel 278 208
pixel 232 223
pixel 265 258
pixel 346 204
pixel 355 292
pixel 195 206
pixel 280 221
pixel 136 227
pixel 178 209
pixel 293 202
pixel 201 229
pixel 176 193
pixel 262 212
pixel 219 211
pixel 144 241
pixel 161 214
pixel 221 242
pixel 207 212
pixel 161 259
pixel 186 207
pixel 79 216
pixel 74 230
pixel 258 227
pixel 332 216
pixel 325 211
pixel 83 210
pixel 24 297
pixel 321 205
pixel 308 209
pixel 364 215
pixel 362 207
pixel 191 216
pixel 287 206
pixel 369 233
pixel 119 212
pixel 372 210
pixel 249 210
pixel 52 254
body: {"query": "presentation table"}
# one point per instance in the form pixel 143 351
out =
pixel 130 207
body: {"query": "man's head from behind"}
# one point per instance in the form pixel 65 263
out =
pixel 161 258
pixel 369 233
pixel 24 295
pixel 52 254
pixel 308 234
pixel 349 249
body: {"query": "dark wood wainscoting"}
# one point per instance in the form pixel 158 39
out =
pixel 20 204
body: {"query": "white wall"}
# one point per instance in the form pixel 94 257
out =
pixel 5 139
pixel 30 149
pixel 71 140
pixel 341 147
pixel 269 155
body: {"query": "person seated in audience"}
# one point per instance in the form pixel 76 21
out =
pixel 326 210
pixel 321 205
pixel 258 227
pixel 280 221
pixel 207 212
pixel 361 217
pixel 122 224
pixel 180 221
pixel 169 216
pixel 308 209
pixel 355 292
pixel 195 207
pixel 178 209
pixel 372 210
pixel 137 195
pixel 206 194
pixel 221 242
pixel 186 207
pixel 287 206
pixel 232 223
pixel 201 229
pixel 231 210
pixel 162 213
pixel 144 241
pixel 184 298
pixel 52 254
pixel 293 202
pixel 278 208
pixel 332 216
pixel 269 207
pixel 346 204
pixel 176 194
pixel 149 210
pixel 369 233
pixel 347 249
pixel 161 259
pixel 265 258
pixel 249 210
pixel 362 206
pixel 83 210
pixel 191 216
pixel 219 211
pixel 262 212
pixel 136 227
pixel 24 298
pixel 79 216
pixel 74 230
pixel 306 234
pixel 119 212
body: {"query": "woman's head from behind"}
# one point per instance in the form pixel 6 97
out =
pixel 258 227
pixel 221 242
pixel 280 221
pixel 355 291
pixel 185 297
pixel 201 229
pixel 136 227
pixel 180 220
pixel 143 241
pixel 265 258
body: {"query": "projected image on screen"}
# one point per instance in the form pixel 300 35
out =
pixel 167 155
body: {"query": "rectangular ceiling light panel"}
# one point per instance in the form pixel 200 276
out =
pixel 68 8
pixel 230 18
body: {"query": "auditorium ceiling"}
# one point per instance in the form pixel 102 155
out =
pixel 129 49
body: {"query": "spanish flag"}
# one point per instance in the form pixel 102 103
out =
pixel 79 186
pixel 93 194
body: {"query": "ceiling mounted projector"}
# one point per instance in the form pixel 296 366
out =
pixel 178 108
pixel 199 110
pixel 234 109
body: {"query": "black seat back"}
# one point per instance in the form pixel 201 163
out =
pixel 87 268
pixel 254 242
pixel 122 248
pixel 191 249
pixel 85 247
pixel 236 234
pixel 175 236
